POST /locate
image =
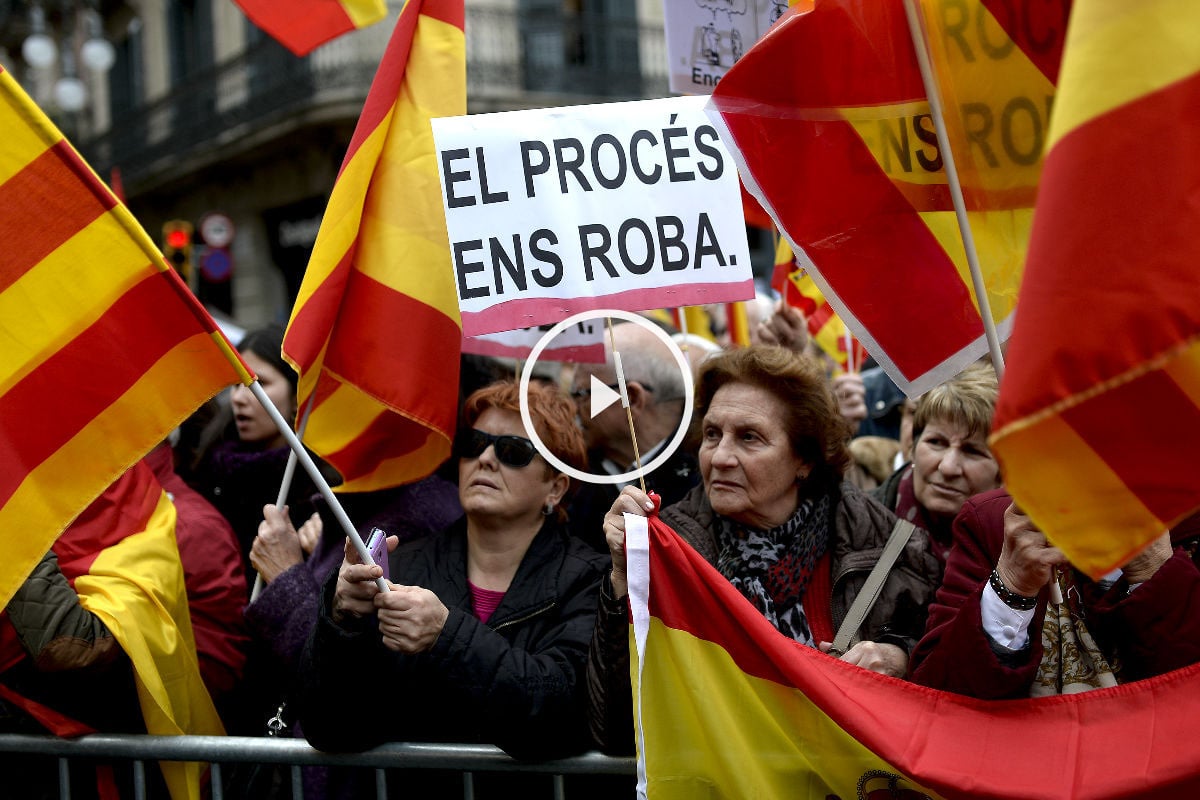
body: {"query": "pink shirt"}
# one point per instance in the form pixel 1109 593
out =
pixel 485 601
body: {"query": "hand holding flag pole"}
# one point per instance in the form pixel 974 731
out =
pixel 960 207
pixel 285 486
pixel 323 487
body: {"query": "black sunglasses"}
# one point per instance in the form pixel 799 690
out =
pixel 513 451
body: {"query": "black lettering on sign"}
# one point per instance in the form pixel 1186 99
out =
pixel 463 268
pixel 537 249
pixel 453 177
pixel 533 168
pixel 598 251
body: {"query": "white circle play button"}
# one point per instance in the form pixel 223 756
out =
pixel 602 396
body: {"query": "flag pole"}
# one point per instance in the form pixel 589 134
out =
pixel 637 457
pixel 917 31
pixel 323 487
pixel 285 486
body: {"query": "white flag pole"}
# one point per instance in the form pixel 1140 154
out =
pixel 285 486
pixel 323 487
pixel 960 207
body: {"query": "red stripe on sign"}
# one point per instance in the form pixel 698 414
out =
pixel 1119 242
pixel 74 384
pixel 398 350
pixel 1038 27
pixel 42 206
pixel 1119 423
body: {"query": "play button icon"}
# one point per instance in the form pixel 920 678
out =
pixel 602 396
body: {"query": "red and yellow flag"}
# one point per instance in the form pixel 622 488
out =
pixel 1099 411
pixel 826 328
pixel 375 333
pixel 104 349
pixel 122 559
pixel 726 706
pixel 302 25
pixel 829 121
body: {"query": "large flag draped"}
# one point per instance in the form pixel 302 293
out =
pixel 302 25
pixel 122 559
pixel 829 121
pixel 375 333
pixel 727 707
pixel 1099 417
pixel 104 349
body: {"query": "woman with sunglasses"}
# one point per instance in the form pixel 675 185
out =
pixel 485 633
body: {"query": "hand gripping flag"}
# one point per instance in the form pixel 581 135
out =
pixel 1099 415
pixel 375 333
pixel 727 707
pixel 826 328
pixel 104 350
pixel 302 25
pixel 829 121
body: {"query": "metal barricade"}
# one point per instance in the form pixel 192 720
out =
pixel 296 753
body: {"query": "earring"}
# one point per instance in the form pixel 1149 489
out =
pixel 547 509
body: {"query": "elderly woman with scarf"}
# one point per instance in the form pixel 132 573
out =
pixel 774 516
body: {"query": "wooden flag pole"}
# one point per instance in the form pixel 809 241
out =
pixel 285 486
pixel 637 457
pixel 323 487
pixel 960 207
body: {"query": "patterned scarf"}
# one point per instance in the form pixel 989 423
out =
pixel 771 568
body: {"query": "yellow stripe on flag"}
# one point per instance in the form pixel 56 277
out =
pixel 364 12
pixel 136 588
pixel 1158 44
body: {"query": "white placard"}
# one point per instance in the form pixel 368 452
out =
pixel 552 212
pixel 707 37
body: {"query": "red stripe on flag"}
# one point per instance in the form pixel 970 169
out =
pixel 1136 213
pixel 388 436
pixel 299 25
pixel 1105 423
pixel 310 328
pixel 100 364
pixel 451 12
pixel 821 315
pixel 41 207
pixel 418 374
pixel 389 78
pixel 1037 27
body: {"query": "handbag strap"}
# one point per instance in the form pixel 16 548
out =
pixel 869 592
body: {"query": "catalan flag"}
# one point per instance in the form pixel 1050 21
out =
pixel 302 25
pixel 727 707
pixel 826 328
pixel 104 349
pixel 1099 411
pixel 375 333
pixel 122 559
pixel 829 121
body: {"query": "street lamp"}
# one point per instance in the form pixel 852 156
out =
pixel 94 52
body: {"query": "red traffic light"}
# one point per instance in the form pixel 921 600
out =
pixel 178 239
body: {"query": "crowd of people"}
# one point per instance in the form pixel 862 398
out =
pixel 503 618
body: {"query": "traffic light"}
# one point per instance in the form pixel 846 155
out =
pixel 177 246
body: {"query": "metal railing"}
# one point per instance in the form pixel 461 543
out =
pixel 296 753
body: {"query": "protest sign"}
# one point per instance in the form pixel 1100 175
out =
pixel 581 343
pixel 707 37
pixel 551 212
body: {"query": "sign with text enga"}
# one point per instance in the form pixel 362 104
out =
pixel 552 212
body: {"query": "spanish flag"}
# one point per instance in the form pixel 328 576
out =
pixel 727 707
pixel 829 122
pixel 1099 411
pixel 104 350
pixel 302 25
pixel 375 333
pixel 122 559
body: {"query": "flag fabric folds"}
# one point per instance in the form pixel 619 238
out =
pixel 302 25
pixel 799 290
pixel 828 119
pixel 1099 410
pixel 104 349
pixel 122 559
pixel 728 707
pixel 375 333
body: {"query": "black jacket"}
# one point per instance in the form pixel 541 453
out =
pixel 516 681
